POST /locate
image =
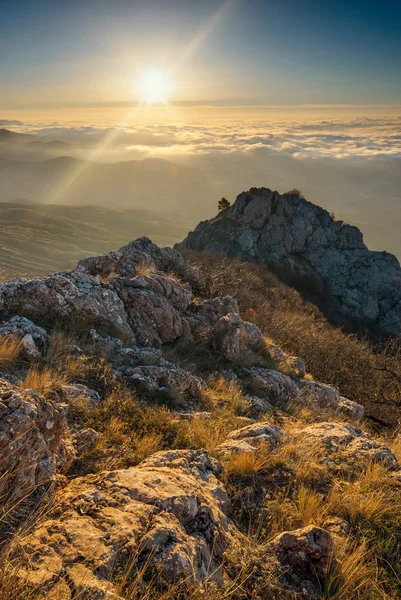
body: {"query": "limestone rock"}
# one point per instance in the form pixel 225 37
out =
pixel 34 339
pixel 291 234
pixel 204 315
pixel 293 365
pixel 68 297
pixel 250 438
pixel 232 337
pixel 279 389
pixel 327 396
pixel 78 391
pixel 142 252
pixel 32 444
pixel 170 511
pixel 154 306
pixel 84 439
pixel 351 443
pixel 350 409
pixel 310 549
pixel 171 380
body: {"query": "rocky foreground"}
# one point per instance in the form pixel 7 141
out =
pixel 304 242
pixel 174 521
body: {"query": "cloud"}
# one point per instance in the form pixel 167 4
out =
pixel 357 137
pixel 351 165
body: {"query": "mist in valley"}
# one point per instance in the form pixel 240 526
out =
pixel 350 166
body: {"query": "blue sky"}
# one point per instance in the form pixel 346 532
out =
pixel 83 52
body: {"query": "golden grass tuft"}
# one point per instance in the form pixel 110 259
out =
pixel 370 500
pixel 10 351
pixel 247 464
pixel 353 576
pixel 228 393
pixel 311 507
pixel 43 380
pixel 144 269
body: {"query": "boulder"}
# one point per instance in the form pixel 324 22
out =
pixel 250 438
pixel 203 316
pixel 33 440
pixel 170 512
pixel 34 339
pixel 327 396
pixel 351 410
pixel 232 337
pixel 71 298
pixel 84 439
pixel 169 380
pixel 352 445
pixel 154 305
pixel 303 243
pixel 310 550
pixel 279 389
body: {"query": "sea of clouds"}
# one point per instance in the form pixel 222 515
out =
pixel 350 165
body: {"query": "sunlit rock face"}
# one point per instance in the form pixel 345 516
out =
pixel 303 241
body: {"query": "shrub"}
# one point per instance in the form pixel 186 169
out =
pixel 294 191
pixel 224 204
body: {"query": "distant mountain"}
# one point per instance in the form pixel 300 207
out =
pixel 152 183
pixel 39 239
pixel 7 136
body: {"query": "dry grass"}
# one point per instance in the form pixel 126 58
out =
pixel 10 351
pixel 43 380
pixel 247 464
pixel 373 499
pixel 221 392
pixel 311 507
pixel 354 576
pixel 366 373
pixel 144 269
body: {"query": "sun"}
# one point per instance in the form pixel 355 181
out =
pixel 153 86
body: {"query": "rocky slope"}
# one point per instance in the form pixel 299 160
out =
pixel 171 521
pixel 304 242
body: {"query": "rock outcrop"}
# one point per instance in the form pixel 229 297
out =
pixel 178 517
pixel 301 239
pixel 33 440
pixel 170 512
pixel 112 294
pixel 310 548
pixel 347 443
pixel 250 438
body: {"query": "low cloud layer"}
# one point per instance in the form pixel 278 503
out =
pixel 363 137
pixel 351 166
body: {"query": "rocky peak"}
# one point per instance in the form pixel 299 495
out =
pixel 305 244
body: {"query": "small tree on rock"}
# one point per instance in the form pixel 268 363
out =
pixel 224 204
pixel 295 191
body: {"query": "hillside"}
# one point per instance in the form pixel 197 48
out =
pixel 39 239
pixel 157 445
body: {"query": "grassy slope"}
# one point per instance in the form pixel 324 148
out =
pixel 38 239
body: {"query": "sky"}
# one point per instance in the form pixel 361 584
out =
pixel 274 93
pixel 87 54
